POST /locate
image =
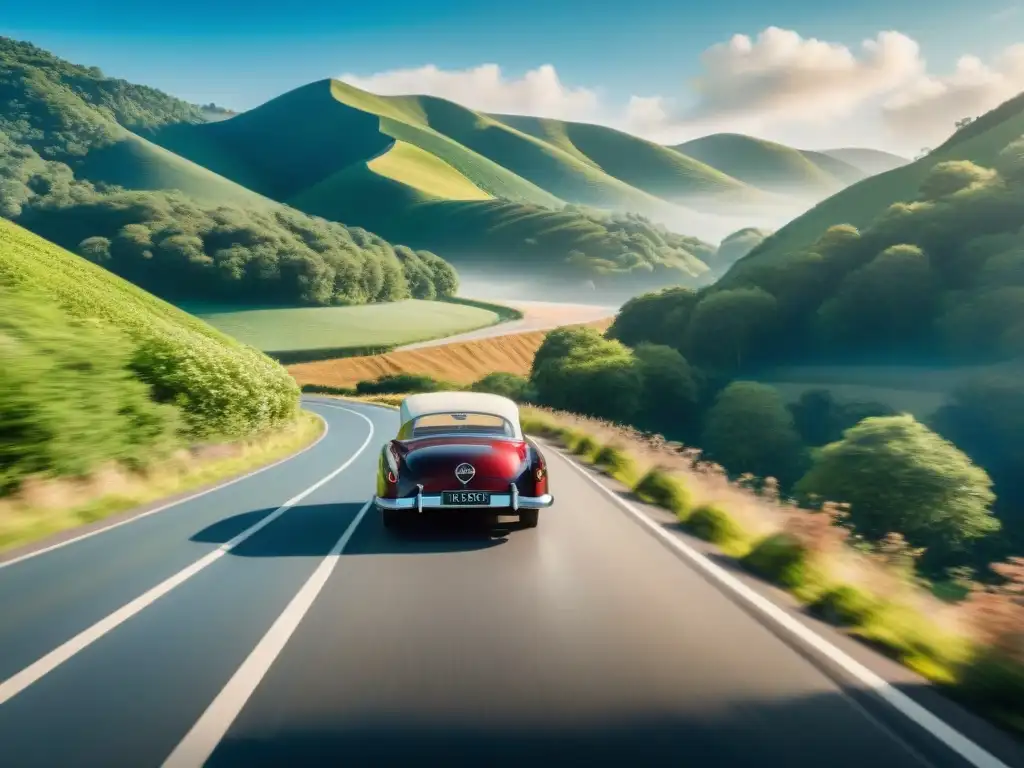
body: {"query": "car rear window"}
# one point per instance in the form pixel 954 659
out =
pixel 461 423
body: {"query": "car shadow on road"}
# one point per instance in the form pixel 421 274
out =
pixel 312 531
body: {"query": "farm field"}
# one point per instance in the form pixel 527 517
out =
pixel 291 330
pixel 460 362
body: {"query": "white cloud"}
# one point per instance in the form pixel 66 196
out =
pixel 538 92
pixel 929 106
pixel 777 85
pixel 783 75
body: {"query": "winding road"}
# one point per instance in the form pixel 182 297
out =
pixel 273 621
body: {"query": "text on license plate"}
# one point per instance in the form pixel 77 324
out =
pixel 465 497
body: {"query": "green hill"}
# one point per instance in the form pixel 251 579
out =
pixel 771 166
pixel 861 204
pixel 210 383
pixel 136 163
pixel 655 169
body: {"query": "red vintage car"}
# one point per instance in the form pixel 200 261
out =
pixel 457 450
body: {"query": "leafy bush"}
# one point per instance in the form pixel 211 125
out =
pixel 845 605
pixel 507 385
pixel 617 462
pixel 221 387
pixel 749 429
pixel 899 476
pixel 780 558
pixel 585 447
pixel 661 488
pixel 714 524
pixel 401 383
pixel 994 680
pixel 68 399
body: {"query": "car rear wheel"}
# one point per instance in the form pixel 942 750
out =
pixel 528 518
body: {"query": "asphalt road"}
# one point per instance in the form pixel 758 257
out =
pixel 185 637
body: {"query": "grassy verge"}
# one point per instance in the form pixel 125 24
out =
pixel 43 508
pixel 868 596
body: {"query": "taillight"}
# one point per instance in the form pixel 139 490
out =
pixel 539 473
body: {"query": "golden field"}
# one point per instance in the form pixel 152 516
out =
pixel 460 362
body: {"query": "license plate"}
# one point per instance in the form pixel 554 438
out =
pixel 465 498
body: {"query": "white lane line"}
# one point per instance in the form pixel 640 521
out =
pixel 209 729
pixel 938 728
pixel 18 682
pixel 133 518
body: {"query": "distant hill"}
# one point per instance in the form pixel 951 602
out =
pixel 773 166
pixel 74 141
pixel 493 193
pixel 870 161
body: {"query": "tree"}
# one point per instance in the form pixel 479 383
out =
pixel 726 325
pixel 670 392
pixel 900 477
pixel 821 419
pixel 660 317
pixel 985 419
pixel 952 176
pixel 963 122
pixel 888 302
pixel 561 341
pixel 749 429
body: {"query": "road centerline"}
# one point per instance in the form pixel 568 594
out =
pixel 202 739
pixel 18 682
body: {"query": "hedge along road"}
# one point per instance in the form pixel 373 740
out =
pixel 194 636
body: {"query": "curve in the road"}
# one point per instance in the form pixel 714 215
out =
pixel 322 638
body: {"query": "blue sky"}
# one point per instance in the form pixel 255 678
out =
pixel 241 54
pixel 244 53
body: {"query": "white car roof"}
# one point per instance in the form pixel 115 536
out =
pixel 426 403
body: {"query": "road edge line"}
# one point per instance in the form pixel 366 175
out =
pixel 206 733
pixel 918 714
pixel 22 679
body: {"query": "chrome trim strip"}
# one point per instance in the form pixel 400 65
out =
pixel 515 497
pixel 420 501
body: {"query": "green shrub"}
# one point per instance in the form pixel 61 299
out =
pixel 221 387
pixel 660 488
pixel 68 400
pixel 585 447
pixel 845 605
pixel 323 389
pixel 779 558
pixel 617 462
pixel 505 384
pixel 714 524
pixel 994 681
pixel 401 383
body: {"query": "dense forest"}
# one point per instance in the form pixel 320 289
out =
pixel 939 279
pixel 53 114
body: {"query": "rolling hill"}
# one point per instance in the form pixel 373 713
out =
pixel 772 166
pixel 863 203
pixel 220 386
pixel 506 196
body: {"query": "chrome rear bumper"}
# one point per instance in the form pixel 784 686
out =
pixel 511 500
